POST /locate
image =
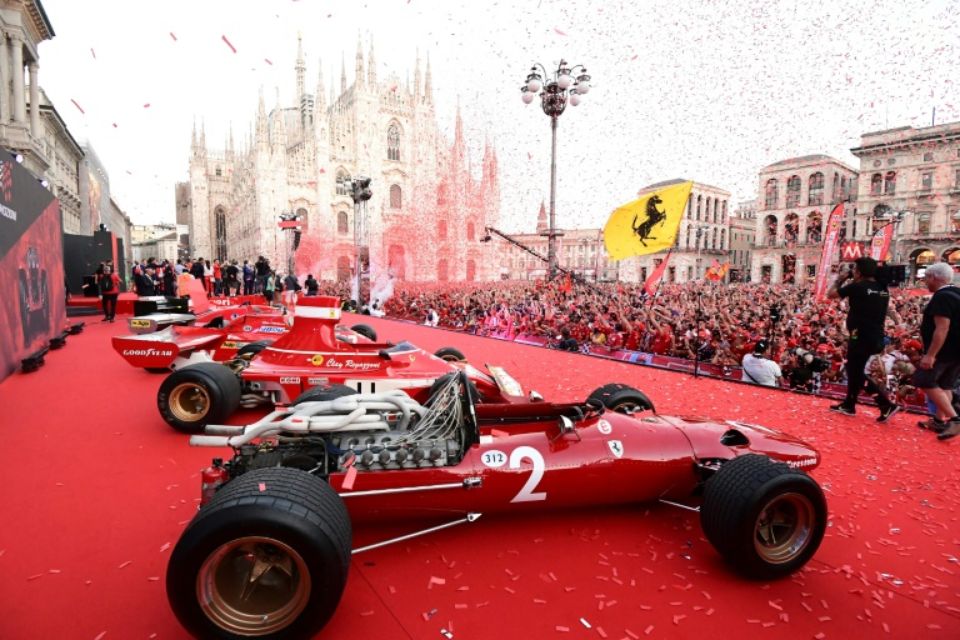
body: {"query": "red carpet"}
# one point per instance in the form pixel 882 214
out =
pixel 97 487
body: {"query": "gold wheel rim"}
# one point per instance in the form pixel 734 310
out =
pixel 253 586
pixel 189 402
pixel 784 528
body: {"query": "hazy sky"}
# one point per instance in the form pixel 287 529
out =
pixel 710 91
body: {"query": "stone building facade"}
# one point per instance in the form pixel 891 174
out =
pixel 429 205
pixel 796 197
pixel 743 231
pixel 702 238
pixel 580 251
pixel 910 177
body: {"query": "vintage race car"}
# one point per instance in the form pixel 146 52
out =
pixel 314 359
pixel 268 553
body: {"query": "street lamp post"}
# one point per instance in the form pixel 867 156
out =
pixel 699 234
pixel 360 193
pixel 555 90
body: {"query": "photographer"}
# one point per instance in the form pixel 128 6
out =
pixel 869 303
pixel 760 370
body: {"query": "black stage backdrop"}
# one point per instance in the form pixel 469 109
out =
pixel 31 266
pixel 83 254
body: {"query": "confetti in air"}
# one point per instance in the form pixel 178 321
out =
pixel 173 36
pixel 77 105
pixel 93 53
pixel 229 44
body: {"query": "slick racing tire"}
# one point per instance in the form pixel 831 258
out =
pixel 621 399
pixel 266 558
pixel 765 518
pixel 322 394
pixel 450 354
pixel 198 395
pixel 366 331
pixel 253 348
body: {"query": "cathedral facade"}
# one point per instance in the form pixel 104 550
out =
pixel 429 206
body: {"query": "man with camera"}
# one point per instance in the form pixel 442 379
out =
pixel 869 303
pixel 760 370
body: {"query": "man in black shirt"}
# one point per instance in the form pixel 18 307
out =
pixel 939 368
pixel 869 302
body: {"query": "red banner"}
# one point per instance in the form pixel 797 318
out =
pixel 880 244
pixel 650 286
pixel 850 251
pixel 834 222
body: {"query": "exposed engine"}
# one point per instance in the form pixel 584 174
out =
pixel 372 432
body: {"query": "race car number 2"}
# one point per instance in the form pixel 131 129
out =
pixel 495 459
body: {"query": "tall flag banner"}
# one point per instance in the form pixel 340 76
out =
pixel 647 225
pixel 880 244
pixel 830 241
pixel 650 286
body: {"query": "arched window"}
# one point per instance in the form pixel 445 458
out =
pixel 890 183
pixel 770 230
pixel 791 228
pixel 471 270
pixel 687 244
pixel 343 223
pixel 393 142
pixel 793 191
pixel 723 239
pixel 220 223
pixel 442 230
pixel 713 240
pixel 723 216
pixel 836 187
pixel 815 191
pixel 396 196
pixel 343 183
pixel 219 172
pixel 302 214
pixel 771 194
pixel 923 223
pixel 876 182
pixel 442 270
pixel 699 202
pixel 814 227
pixel 471 232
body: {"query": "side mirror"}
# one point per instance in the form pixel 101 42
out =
pixel 566 425
pixel 535 397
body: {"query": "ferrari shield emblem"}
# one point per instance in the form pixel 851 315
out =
pixel 316 360
pixel 616 448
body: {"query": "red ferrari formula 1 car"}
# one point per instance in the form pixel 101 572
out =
pixel 314 360
pixel 268 553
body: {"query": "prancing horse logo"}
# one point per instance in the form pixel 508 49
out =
pixel 616 447
pixel 654 217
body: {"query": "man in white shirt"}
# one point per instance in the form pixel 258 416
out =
pixel 760 370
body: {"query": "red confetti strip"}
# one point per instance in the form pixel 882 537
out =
pixel 232 48
pixel 349 479
pixel 77 105
pixel 172 35
pixel 263 487
pixel 559 32
pixel 267 60
pixel 125 564
pixel 93 53
pixel 146 106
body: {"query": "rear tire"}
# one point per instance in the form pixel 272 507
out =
pixel 765 519
pixel 450 354
pixel 157 369
pixel 621 399
pixel 322 394
pixel 198 395
pixel 253 348
pixel 287 521
pixel 365 330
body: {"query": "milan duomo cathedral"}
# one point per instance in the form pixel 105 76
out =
pixel 428 211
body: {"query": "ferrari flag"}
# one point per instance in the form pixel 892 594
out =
pixel 647 225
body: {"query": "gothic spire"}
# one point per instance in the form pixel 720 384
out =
pixel 428 82
pixel 371 68
pixel 321 89
pixel 542 218
pixel 301 69
pixel 416 76
pixel 359 81
pixel 343 73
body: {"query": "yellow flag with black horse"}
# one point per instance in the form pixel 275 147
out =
pixel 648 224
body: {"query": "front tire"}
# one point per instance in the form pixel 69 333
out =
pixel 450 354
pixel 267 557
pixel 621 399
pixel 366 331
pixel 198 395
pixel 765 519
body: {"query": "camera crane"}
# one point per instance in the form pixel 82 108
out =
pixel 539 256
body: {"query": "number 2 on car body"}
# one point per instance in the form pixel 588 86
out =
pixel 495 459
